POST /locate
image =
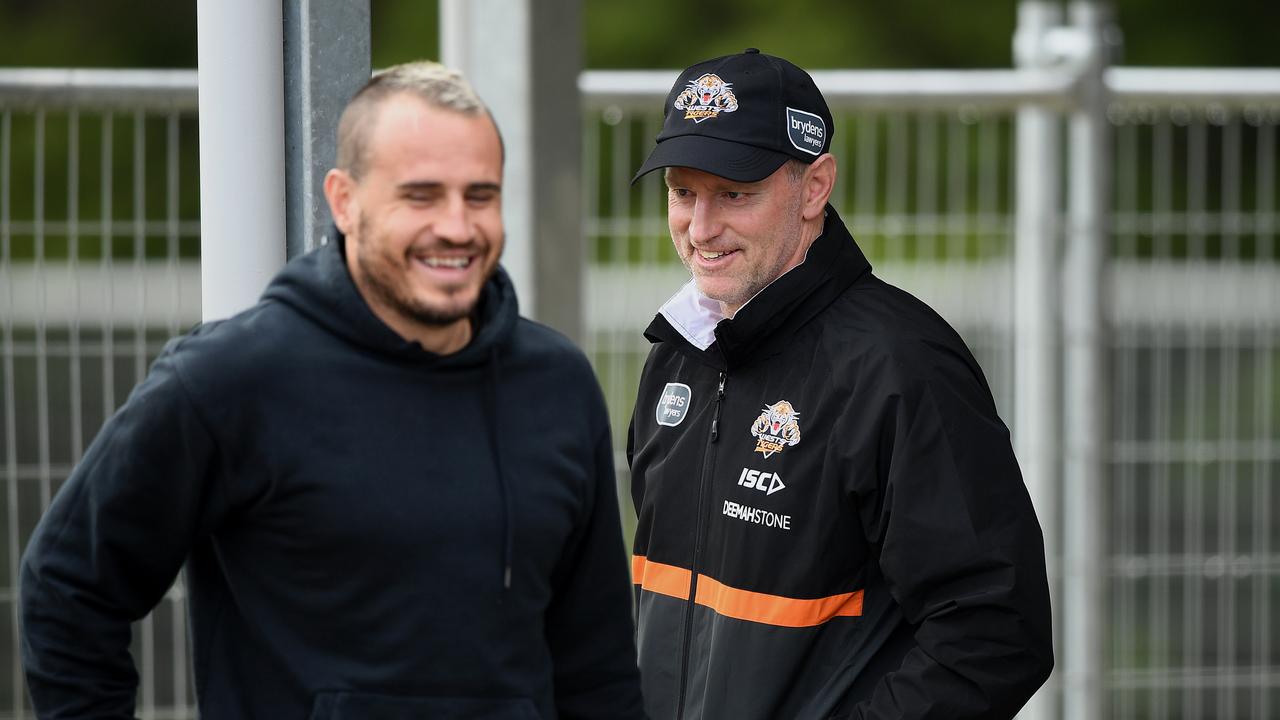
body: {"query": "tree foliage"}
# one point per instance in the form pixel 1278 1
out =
pixel 675 33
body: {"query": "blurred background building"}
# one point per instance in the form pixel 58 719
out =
pixel 1088 192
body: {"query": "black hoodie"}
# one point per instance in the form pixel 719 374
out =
pixel 369 530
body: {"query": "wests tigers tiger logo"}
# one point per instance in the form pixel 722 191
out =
pixel 776 429
pixel 706 97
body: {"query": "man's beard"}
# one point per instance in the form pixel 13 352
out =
pixel 756 278
pixel 378 271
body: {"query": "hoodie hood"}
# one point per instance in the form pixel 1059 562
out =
pixel 319 286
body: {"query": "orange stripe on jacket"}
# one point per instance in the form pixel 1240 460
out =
pixel 731 602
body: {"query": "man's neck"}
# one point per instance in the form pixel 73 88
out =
pixel 438 339
pixel 811 231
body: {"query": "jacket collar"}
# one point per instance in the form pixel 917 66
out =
pixel 694 324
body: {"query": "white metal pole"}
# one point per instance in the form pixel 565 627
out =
pixel 1084 392
pixel 1035 417
pixel 242 203
pixel 524 59
pixel 489 41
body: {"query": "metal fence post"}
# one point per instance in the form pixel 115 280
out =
pixel 530 86
pixel 242 227
pixel 326 60
pixel 1084 392
pixel 241 151
pixel 1036 370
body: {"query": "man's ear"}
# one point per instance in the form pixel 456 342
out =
pixel 339 190
pixel 819 182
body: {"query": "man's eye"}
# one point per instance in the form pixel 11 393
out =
pixel 680 192
pixel 732 195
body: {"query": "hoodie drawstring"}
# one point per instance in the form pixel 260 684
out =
pixel 495 442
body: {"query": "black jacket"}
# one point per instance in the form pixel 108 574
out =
pixel 826 476
pixel 349 507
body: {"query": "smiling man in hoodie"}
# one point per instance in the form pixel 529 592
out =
pixel 394 498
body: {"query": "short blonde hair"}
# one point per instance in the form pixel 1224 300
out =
pixel 439 86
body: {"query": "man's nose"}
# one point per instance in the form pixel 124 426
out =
pixel 705 224
pixel 453 224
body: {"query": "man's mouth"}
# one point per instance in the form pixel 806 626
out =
pixel 456 263
pixel 709 255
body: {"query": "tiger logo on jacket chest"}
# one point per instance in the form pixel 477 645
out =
pixel 776 429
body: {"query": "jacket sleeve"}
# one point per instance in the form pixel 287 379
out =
pixel 589 625
pixel 110 545
pixel 962 554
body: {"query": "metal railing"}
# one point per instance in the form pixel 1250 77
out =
pixel 1185 569
pixel 99 266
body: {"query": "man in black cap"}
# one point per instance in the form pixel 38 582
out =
pixel 832 523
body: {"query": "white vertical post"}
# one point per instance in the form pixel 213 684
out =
pixel 1035 417
pixel 242 203
pixel 1084 392
pixel 489 41
pixel 525 64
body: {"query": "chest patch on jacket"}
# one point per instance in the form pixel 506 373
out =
pixel 777 428
pixel 673 405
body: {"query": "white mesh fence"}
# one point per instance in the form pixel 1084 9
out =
pixel 99 244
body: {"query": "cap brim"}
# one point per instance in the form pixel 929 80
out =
pixel 731 160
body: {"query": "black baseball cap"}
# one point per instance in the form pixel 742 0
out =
pixel 741 117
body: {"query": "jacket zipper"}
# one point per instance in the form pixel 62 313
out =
pixel 707 464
